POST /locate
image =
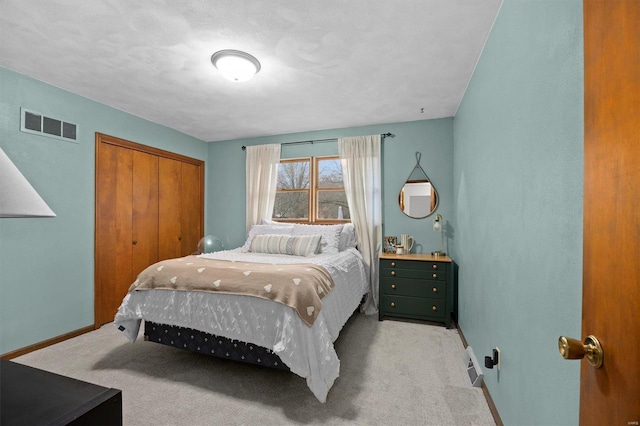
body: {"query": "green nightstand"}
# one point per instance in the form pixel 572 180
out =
pixel 417 286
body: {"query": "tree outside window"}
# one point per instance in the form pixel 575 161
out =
pixel 311 190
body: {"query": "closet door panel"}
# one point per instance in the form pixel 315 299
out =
pixel 124 226
pixel 114 230
pixel 170 208
pixel 191 211
pixel 145 211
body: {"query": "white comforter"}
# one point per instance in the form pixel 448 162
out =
pixel 307 351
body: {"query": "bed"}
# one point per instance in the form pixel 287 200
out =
pixel 261 330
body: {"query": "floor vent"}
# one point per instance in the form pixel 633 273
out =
pixel 34 122
pixel 473 368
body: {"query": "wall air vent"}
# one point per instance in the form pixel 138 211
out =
pixel 34 122
pixel 473 368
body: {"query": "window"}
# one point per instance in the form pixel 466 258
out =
pixel 330 197
pixel 292 193
pixel 311 190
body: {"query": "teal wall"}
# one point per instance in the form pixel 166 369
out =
pixel 433 138
pixel 46 264
pixel 518 173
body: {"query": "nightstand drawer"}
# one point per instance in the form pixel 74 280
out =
pixel 440 275
pixel 418 306
pixel 412 265
pixel 413 287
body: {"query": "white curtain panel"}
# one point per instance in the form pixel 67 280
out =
pixel 362 173
pixel 262 179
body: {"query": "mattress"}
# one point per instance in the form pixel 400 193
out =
pixel 307 351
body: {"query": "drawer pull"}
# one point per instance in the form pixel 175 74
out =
pixel 393 286
pixel 435 289
pixel 393 264
pixel 435 275
pixel 393 304
pixel 434 266
pixel 434 308
pixel 393 273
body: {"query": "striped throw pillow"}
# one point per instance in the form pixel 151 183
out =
pixel 271 243
pixel 304 245
pixel 301 245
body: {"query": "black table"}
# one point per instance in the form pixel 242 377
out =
pixel 29 396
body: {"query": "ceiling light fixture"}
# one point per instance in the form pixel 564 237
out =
pixel 235 65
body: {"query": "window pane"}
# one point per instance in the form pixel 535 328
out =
pixel 333 205
pixel 291 205
pixel 330 174
pixel 293 175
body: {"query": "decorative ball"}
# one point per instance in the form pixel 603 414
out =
pixel 209 244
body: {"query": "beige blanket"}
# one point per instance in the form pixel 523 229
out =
pixel 300 286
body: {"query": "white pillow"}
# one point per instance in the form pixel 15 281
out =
pixel 266 229
pixel 348 237
pixel 330 234
pixel 301 245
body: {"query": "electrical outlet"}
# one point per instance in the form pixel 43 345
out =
pixel 497 352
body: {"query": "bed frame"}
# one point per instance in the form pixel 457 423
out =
pixel 220 347
pixel 205 343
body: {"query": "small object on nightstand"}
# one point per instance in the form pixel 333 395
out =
pixel 399 249
pixel 390 244
pixel 439 226
pixel 407 242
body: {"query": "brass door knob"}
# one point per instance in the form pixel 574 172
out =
pixel 393 304
pixel 393 263
pixel 393 273
pixel 393 286
pixel 434 308
pixel 435 289
pixel 435 275
pixel 434 266
pixel 575 349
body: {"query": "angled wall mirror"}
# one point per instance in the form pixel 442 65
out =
pixel 418 197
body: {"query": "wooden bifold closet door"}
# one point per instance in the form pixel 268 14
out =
pixel 149 207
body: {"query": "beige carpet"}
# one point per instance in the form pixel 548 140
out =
pixel 392 373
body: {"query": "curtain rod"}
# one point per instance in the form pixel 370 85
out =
pixel 384 135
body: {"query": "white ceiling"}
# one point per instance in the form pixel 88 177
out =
pixel 325 64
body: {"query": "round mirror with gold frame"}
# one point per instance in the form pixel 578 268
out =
pixel 418 197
